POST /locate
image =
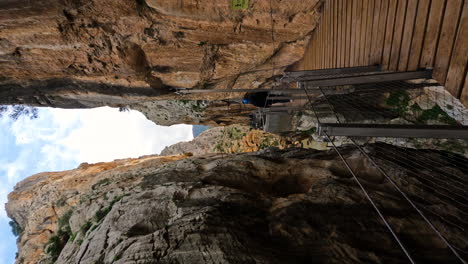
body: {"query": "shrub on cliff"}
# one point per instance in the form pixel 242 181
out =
pixel 58 241
pixel 15 228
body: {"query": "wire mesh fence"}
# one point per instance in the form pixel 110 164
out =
pixel 397 102
pixel 432 182
pixel 430 173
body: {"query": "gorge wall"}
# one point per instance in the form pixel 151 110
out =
pixel 80 54
pixel 274 206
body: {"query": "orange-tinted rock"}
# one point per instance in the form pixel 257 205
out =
pixel 118 52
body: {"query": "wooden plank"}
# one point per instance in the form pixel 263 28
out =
pixel 336 33
pixel 328 36
pixel 389 34
pixel 447 38
pixel 459 57
pixel 418 34
pixel 353 33
pixel 320 44
pixel 379 45
pixel 375 30
pixel 316 50
pixel 322 41
pixel 322 48
pixel 314 53
pixel 407 35
pixel 339 9
pixel 358 33
pixel 397 35
pixel 349 21
pixel 319 48
pixel 362 46
pixel 343 33
pixel 432 33
pixel 317 54
pixel 357 30
pixel 369 31
pixel 333 33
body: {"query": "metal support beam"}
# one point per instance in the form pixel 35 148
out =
pixel 290 97
pixel 394 131
pixel 273 91
pixel 336 71
pixel 364 79
pixel 281 108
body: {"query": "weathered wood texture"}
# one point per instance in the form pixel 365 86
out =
pixel 400 35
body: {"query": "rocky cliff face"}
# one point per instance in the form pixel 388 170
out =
pixel 229 139
pixel 290 206
pixel 76 53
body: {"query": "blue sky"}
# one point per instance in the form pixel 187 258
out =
pixel 62 139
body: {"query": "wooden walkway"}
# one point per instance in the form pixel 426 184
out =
pixel 400 35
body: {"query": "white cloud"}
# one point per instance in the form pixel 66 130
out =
pixel 105 134
pixel 60 139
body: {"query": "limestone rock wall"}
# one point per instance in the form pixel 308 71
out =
pixel 76 53
pixel 228 139
pixel 290 206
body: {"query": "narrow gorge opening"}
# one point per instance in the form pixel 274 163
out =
pixel 233 131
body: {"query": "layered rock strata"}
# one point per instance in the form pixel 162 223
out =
pixel 76 53
pixel 290 206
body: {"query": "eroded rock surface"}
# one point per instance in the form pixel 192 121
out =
pixel 290 206
pixel 77 53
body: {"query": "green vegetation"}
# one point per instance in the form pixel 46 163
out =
pixel 198 107
pixel 234 133
pixel 85 227
pixel 310 132
pixel 100 214
pixel 453 145
pixel 230 134
pixel 58 241
pixel 435 113
pixel 239 4
pixel 64 221
pixel 15 228
pixel 221 146
pixel 269 142
pixel 102 182
pixel 85 198
pixel 55 245
pixel 64 234
pixel 61 201
pixel 399 100
pixel 72 237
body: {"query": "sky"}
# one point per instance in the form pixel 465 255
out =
pixel 61 139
